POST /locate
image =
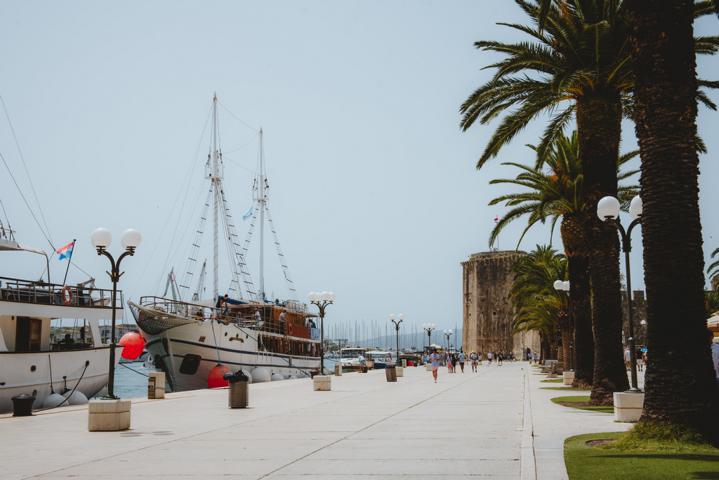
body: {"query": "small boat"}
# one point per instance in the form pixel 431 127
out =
pixel 352 356
pixel 381 358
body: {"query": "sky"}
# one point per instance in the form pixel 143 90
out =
pixel 373 186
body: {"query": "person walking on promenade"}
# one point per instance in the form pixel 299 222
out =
pixel 461 359
pixel 454 362
pixel 499 359
pixel 490 355
pixel 450 364
pixel 434 361
pixel 474 358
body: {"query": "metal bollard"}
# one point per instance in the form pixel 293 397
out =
pixel 238 391
pixel 22 405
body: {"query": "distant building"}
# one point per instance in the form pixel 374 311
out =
pixel 488 313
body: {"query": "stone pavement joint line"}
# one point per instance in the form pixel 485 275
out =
pixel 494 424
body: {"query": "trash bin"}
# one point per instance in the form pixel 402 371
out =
pixel 22 405
pixel 238 392
pixel 391 373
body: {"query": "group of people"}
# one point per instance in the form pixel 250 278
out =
pixel 451 359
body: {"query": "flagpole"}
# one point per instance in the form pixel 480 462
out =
pixel 69 260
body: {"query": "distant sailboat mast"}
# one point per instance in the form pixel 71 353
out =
pixel 216 180
pixel 262 200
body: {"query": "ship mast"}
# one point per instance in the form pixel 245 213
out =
pixel 262 200
pixel 216 180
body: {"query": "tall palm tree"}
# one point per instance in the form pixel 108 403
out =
pixel 681 387
pixel 537 304
pixel 556 193
pixel 576 66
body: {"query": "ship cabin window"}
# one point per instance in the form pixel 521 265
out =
pixel 28 334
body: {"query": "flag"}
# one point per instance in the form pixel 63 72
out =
pixel 248 213
pixel 66 251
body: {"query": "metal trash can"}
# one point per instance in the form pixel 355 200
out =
pixel 391 373
pixel 238 391
pixel 22 405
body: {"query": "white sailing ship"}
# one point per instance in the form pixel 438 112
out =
pixel 33 361
pixel 195 340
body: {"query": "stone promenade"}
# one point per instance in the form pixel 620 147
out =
pixel 494 424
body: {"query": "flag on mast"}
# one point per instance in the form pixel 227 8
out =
pixel 66 251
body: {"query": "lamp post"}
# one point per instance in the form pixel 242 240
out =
pixel 447 335
pixel 322 300
pixel 101 239
pixel 397 323
pixel 428 328
pixel 608 211
pixel 563 286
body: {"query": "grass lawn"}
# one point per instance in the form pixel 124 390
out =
pixel 582 402
pixel 553 380
pixel 650 461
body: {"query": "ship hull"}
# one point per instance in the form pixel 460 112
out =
pixel 189 351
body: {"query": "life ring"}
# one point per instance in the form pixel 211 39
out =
pixel 66 295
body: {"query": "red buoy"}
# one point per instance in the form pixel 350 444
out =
pixel 132 345
pixel 216 378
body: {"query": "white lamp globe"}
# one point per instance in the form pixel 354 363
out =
pixel 401 316
pixel 332 296
pixel 324 295
pixel 566 285
pixel 608 207
pixel 312 296
pixel 636 207
pixel 391 316
pixel 558 285
pixel 101 238
pixel 130 238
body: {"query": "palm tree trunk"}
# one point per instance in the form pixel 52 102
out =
pixel 681 387
pixel 599 128
pixel 575 240
pixel 566 333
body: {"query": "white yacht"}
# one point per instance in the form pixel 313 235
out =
pixel 195 339
pixel 32 360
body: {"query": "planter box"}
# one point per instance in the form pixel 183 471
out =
pixel 628 406
pixel 156 385
pixel 108 415
pixel 568 377
pixel 322 383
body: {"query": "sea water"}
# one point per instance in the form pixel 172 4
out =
pixel 131 378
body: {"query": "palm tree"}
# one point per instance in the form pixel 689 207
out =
pixel 537 304
pixel 666 85
pixel 556 194
pixel 577 65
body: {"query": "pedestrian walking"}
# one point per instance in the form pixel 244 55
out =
pixel 499 359
pixel 490 355
pixel 448 361
pixel 462 358
pixel 434 361
pixel 454 362
pixel 474 358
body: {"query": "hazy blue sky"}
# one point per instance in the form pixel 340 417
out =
pixel 373 186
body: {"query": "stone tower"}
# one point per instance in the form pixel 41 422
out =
pixel 488 312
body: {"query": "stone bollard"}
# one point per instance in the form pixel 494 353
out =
pixel 628 406
pixel 370 364
pixel 400 371
pixel 110 415
pixel 338 369
pixel 322 383
pixel 428 367
pixel 156 385
pixel 568 377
